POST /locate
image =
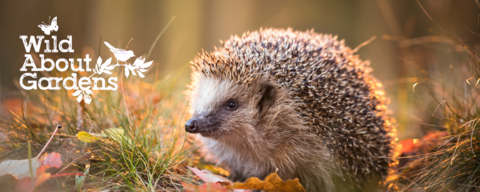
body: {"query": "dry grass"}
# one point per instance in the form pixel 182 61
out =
pixel 145 158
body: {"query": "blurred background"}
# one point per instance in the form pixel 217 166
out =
pixel 407 40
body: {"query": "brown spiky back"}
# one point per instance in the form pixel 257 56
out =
pixel 330 86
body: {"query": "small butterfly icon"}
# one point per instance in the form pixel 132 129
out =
pixel 48 28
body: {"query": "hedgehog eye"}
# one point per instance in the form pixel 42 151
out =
pixel 232 105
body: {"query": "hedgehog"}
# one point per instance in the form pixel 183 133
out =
pixel 301 104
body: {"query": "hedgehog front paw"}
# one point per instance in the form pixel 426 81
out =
pixel 236 176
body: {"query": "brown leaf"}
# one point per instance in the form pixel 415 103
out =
pixel 206 187
pixel 273 183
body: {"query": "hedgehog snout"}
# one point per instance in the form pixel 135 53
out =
pixel 203 124
pixel 191 125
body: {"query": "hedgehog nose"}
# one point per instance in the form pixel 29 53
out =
pixel 191 126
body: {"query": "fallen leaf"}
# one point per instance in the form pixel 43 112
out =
pixel 272 183
pixel 19 168
pixel 206 187
pixel 51 160
pixel 114 133
pixel 86 137
pixel 217 170
pixel 208 177
pixel 27 185
pixel 212 182
pixel 407 145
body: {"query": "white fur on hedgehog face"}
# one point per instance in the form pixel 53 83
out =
pixel 208 93
pixel 210 106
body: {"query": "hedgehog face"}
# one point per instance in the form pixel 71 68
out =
pixel 225 109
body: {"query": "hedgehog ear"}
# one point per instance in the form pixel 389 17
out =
pixel 268 97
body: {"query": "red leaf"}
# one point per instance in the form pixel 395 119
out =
pixel 407 145
pixel 53 159
pixel 206 187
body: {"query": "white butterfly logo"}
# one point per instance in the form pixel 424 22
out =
pixel 48 28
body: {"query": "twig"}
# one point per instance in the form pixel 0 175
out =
pixel 423 40
pixel 472 31
pixel 46 145
pixel 128 43
pixel 364 43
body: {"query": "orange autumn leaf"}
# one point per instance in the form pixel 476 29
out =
pixel 27 185
pixel 206 187
pixel 434 135
pixel 42 178
pixel 213 183
pixel 272 183
pixel 407 145
pixel 217 170
pixel 20 169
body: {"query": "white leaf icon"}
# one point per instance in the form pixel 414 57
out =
pixel 139 61
pixel 140 74
pixel 133 71
pixel 108 61
pixel 127 71
pixel 105 67
pixel 90 92
pixel 77 93
pixel 79 98
pixel 99 62
pixel 146 65
pixel 88 99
